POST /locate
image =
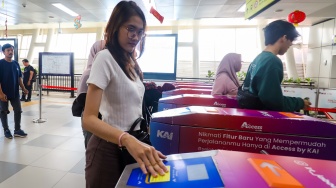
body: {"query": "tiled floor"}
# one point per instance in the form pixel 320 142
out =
pixel 52 155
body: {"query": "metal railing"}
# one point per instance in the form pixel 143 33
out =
pixel 57 84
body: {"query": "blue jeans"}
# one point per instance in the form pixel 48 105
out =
pixel 16 104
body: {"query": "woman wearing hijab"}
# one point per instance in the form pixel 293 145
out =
pixel 226 82
pixel 82 86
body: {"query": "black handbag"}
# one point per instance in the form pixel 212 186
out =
pixel 142 135
pixel 248 100
pixel 78 105
pixel 245 98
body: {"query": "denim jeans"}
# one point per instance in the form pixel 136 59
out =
pixel 16 104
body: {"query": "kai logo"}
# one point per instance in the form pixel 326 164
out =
pixel 164 134
pixel 219 104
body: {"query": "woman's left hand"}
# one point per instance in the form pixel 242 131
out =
pixel 147 156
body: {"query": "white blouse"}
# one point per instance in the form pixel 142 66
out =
pixel 122 98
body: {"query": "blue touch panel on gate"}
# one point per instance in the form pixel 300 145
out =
pixel 196 172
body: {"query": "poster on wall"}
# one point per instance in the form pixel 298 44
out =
pixel 300 92
pixel 327 99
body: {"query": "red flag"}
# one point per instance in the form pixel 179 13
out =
pixel 156 14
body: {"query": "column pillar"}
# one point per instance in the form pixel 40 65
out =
pixel 196 61
pixel 32 45
pixel 50 36
pixel 290 64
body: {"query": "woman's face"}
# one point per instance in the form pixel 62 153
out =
pixel 130 33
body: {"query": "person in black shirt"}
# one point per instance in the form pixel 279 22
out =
pixel 28 74
pixel 10 80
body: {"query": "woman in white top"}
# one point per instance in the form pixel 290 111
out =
pixel 226 81
pixel 82 85
pixel 116 91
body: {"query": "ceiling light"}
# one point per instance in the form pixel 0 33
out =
pixel 242 8
pixel 65 9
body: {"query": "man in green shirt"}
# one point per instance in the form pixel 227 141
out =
pixel 265 74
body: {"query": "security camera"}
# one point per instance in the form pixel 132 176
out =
pixel 24 5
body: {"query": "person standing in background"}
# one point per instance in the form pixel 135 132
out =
pixel 28 74
pixel 82 85
pixel 226 81
pixel 10 80
pixel 265 73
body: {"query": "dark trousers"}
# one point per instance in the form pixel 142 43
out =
pixel 29 88
pixel 103 164
pixel 17 113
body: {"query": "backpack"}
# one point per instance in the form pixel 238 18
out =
pixel 34 75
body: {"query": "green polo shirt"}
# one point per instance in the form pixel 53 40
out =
pixel 266 74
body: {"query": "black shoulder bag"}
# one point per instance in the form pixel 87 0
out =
pixel 142 135
pixel 246 99
pixel 78 105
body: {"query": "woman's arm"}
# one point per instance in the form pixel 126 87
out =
pixel 91 122
pixel 147 157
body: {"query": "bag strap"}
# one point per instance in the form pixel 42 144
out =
pixel 247 81
pixel 143 126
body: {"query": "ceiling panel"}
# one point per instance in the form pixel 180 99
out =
pixel 186 2
pixel 228 9
pixel 287 8
pixel 184 12
pixel 164 3
pixel 213 2
pixel 39 11
pixel 166 11
pixel 207 11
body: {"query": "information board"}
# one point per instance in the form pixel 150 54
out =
pixel 54 63
pixel 160 57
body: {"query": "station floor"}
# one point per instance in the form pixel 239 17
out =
pixel 53 153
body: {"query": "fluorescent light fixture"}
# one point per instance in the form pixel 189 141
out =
pixel 242 8
pixel 65 9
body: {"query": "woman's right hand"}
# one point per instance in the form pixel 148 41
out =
pixel 147 156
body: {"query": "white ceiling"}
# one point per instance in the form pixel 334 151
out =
pixel 93 11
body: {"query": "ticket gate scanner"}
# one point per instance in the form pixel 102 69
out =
pixel 176 101
pixel 198 128
pixel 186 91
pixel 221 168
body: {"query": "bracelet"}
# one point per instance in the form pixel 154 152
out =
pixel 123 134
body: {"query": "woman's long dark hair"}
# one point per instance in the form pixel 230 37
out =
pixel 122 12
